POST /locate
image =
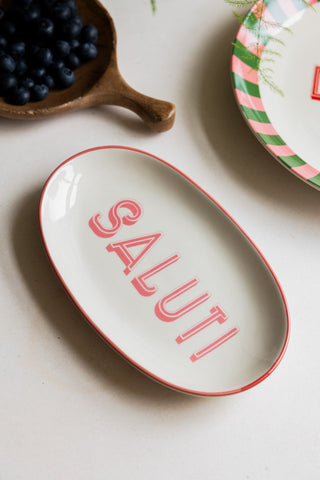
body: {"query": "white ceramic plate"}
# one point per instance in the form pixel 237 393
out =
pixel 288 126
pixel 162 272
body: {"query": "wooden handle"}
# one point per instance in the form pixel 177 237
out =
pixel 158 114
pixel 114 90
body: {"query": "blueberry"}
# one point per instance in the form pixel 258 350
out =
pixel 87 51
pixel 61 48
pixel 3 43
pixel 73 61
pixel 59 63
pixel 27 83
pixel 37 73
pixel 39 92
pixel 77 19
pixel 7 63
pixel 74 44
pixel 49 81
pixel 41 43
pixel 8 81
pixel 71 29
pixel 72 4
pixel 31 14
pixel 89 33
pixel 19 96
pixel 44 28
pixel 43 57
pixel 61 12
pixel 21 67
pixel 17 49
pixel 65 77
pixel 8 28
pixel 56 65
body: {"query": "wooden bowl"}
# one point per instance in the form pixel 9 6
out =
pixel 98 82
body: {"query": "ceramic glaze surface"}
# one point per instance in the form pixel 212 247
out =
pixel 287 125
pixel 162 272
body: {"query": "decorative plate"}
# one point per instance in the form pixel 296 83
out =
pixel 276 48
pixel 162 272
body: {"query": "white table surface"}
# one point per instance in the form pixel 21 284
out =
pixel 71 408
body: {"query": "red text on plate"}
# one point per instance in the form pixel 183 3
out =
pixel 128 212
pixel 315 94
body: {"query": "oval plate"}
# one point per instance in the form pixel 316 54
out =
pixel 281 37
pixel 162 272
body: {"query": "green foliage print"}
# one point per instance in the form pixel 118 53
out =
pixel 260 26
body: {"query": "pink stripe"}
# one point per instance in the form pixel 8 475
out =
pixel 259 8
pixel 266 128
pixel 288 8
pixel 269 23
pixel 306 171
pixel 250 41
pixel 244 71
pixel 312 2
pixel 281 150
pixel 249 101
pixel 209 348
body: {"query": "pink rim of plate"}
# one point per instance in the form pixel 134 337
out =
pixel 251 40
pixel 103 335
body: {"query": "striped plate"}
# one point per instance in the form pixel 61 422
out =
pixel 285 125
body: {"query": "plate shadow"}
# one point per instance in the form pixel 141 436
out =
pixel 236 147
pixel 58 310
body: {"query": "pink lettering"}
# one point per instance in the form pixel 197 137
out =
pixel 115 219
pixel 166 316
pixel 209 348
pixel 140 282
pixel 315 94
pixel 122 249
pixel 132 251
pixel 217 315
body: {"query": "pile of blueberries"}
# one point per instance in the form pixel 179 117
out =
pixel 41 43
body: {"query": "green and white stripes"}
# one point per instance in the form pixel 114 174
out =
pixel 263 21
